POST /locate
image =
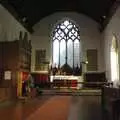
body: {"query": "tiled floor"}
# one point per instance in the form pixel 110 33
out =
pixel 54 108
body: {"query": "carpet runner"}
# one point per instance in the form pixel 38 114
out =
pixel 57 108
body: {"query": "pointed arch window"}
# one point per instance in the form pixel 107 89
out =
pixel 66 44
pixel 114 60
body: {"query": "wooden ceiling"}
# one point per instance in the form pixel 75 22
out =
pixel 32 11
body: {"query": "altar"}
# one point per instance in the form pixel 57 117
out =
pixel 64 81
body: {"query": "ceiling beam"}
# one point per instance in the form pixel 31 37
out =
pixel 15 14
pixel 107 18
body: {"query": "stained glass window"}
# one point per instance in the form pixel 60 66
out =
pixel 70 52
pixel 62 52
pixel 66 44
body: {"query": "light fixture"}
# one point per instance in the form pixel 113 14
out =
pixel 104 16
pixel 84 62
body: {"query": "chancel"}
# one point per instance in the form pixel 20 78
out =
pixel 60 60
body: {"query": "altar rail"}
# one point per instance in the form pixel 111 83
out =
pixel 75 84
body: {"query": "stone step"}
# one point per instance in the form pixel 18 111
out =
pixel 68 92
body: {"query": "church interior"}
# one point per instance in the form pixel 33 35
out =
pixel 60 60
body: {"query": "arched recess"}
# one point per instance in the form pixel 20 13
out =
pixel 67 50
pixel 114 54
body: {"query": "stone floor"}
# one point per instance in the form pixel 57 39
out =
pixel 54 108
pixel 85 108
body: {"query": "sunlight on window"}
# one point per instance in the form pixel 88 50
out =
pixel 76 52
pixel 66 44
pixel 114 75
pixel 66 22
pixel 114 61
pixel 70 52
pixel 62 52
pixel 55 52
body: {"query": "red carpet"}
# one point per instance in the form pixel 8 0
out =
pixel 57 108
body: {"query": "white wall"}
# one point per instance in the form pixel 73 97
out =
pixel 9 26
pixel 38 42
pixel 89 33
pixel 113 28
